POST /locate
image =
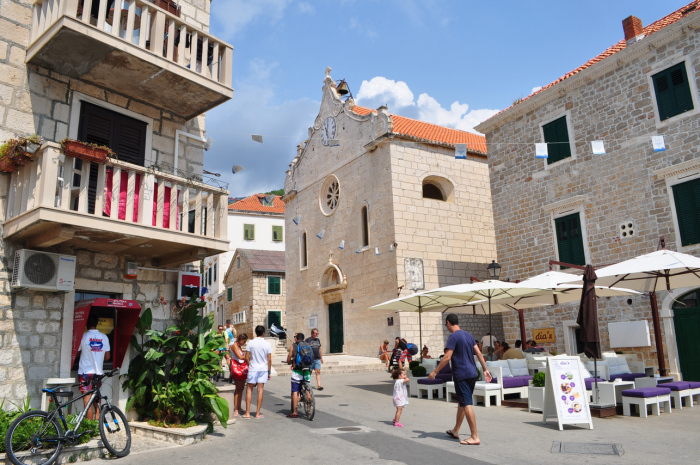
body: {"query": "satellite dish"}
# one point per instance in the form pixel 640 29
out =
pixel 236 169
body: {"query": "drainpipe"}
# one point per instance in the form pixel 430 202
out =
pixel 179 133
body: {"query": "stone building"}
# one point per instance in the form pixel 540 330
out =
pixel 371 191
pixel 578 207
pixel 255 222
pixel 139 81
pixel 256 289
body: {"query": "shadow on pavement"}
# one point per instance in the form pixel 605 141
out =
pixel 378 388
pixel 433 435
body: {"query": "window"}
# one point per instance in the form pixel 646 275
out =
pixel 673 95
pixel 210 272
pixel 265 203
pixel 556 135
pixel 570 239
pixel 249 232
pixel 303 258
pixel 216 265
pixel 277 233
pixel 274 285
pixel 238 262
pixel 687 199
pixel 364 217
pixel 329 197
pixel 229 294
pixel 431 191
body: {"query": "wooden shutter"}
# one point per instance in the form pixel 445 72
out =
pixel 249 232
pixel 126 136
pixel 556 134
pixel 672 90
pixel 229 294
pixel 130 141
pixel 216 265
pixel 687 199
pixel 273 285
pixel 570 240
pixel 277 233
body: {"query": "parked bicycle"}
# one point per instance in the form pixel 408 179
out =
pixel 36 437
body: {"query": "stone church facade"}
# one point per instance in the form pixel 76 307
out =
pixel 370 190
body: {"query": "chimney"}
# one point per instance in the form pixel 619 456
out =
pixel 633 28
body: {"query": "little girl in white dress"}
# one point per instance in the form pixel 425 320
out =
pixel 400 394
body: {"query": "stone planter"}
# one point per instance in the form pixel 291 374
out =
pixel 535 398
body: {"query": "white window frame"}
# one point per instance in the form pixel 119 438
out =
pixel 304 252
pixel 690 72
pixel 678 174
pixel 572 138
pixel 238 318
pixel 567 207
pixel 267 283
pixel 74 121
pixel 364 248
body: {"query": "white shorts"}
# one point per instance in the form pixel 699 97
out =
pixel 255 377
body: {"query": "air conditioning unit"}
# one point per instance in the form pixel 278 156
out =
pixel 43 271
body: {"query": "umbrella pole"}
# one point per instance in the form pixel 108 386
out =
pixel 657 333
pixel 595 380
pixel 490 330
pixel 420 330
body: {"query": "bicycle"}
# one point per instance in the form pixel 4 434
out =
pixel 36 437
pixel 306 398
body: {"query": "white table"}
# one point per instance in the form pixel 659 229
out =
pixel 652 382
pixel 610 393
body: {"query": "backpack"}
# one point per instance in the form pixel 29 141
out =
pixel 305 355
pixel 412 348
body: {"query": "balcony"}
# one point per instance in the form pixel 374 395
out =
pixel 135 48
pixel 124 212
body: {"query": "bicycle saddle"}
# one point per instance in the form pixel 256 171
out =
pixel 57 392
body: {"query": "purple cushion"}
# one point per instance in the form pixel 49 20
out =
pixel 444 376
pixel 589 382
pixel 646 392
pixel 694 384
pixel 446 370
pixel 430 381
pixel 676 385
pixel 627 376
pixel 512 382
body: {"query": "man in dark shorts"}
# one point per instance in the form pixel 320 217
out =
pixel 460 350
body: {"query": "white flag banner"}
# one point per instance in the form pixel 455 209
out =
pixel 658 143
pixel 461 151
pixel 257 137
pixel 598 147
pixel 541 150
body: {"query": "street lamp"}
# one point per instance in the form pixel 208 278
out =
pixel 494 269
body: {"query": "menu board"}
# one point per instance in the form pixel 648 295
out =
pixel 565 392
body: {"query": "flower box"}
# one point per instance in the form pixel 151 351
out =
pixel 7 165
pixel 85 151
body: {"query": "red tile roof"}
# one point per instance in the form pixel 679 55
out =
pixel 656 26
pixel 427 132
pixel 254 203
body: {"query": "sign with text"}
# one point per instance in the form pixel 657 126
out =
pixel 565 392
pixel 544 335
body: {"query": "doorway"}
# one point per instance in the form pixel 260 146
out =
pixel 686 319
pixel 274 317
pixel 335 327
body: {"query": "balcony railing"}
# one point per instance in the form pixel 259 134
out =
pixel 134 27
pixel 115 207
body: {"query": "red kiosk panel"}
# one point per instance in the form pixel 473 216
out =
pixel 127 313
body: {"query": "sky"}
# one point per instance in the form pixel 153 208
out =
pixel 448 62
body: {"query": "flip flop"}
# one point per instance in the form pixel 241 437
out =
pixel 320 388
pixel 452 435
pixel 244 418
pixel 467 443
pixel 260 417
pixel 293 415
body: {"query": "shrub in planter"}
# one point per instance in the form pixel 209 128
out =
pixel 169 377
pixel 92 153
pixel 419 371
pixel 18 152
pixel 538 379
pixel 413 364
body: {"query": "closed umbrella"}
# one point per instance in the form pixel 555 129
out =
pixel 587 320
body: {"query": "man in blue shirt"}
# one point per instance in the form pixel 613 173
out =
pixel 460 350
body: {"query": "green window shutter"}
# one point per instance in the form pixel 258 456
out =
pixel 274 285
pixel 687 199
pixel 216 265
pixel 277 233
pixel 570 240
pixel 249 232
pixel 556 134
pixel 229 294
pixel 210 273
pixel 672 91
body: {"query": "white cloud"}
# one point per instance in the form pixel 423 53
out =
pixel 233 16
pixel 400 100
pixel 535 89
pixel 306 7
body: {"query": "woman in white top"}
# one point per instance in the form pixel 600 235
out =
pixel 238 356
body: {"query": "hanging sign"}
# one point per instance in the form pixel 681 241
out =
pixel 544 335
pixel 598 147
pixel 658 143
pixel 541 150
pixel 188 285
pixel 565 393
pixel 461 151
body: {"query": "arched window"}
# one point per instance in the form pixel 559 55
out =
pixel 438 188
pixel 303 257
pixel 364 218
pixel 431 191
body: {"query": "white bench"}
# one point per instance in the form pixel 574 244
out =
pixel 487 390
pixel 656 402
pixel 429 389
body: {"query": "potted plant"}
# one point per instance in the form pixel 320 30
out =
pixel 18 152
pixel 535 392
pixel 92 153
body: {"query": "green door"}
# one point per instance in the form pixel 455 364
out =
pixel 686 318
pixel 274 317
pixel 335 327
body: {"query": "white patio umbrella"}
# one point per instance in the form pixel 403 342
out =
pixel 660 270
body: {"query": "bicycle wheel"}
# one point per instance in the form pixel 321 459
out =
pixel 307 399
pixel 115 432
pixel 33 439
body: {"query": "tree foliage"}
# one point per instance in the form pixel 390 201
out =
pixel 169 377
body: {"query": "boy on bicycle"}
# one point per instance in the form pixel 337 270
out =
pixel 299 372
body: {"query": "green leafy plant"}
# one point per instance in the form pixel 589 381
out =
pixel 169 377
pixel 539 379
pixel 110 152
pixel 413 364
pixel 419 371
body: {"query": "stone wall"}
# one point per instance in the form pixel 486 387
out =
pixel 241 282
pixel 615 103
pixel 264 302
